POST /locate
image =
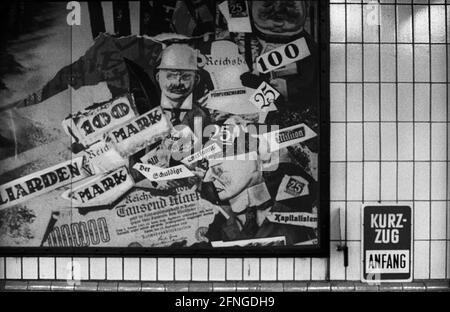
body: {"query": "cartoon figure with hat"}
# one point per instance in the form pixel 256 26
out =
pixel 177 77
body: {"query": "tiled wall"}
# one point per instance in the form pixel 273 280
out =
pixel 389 144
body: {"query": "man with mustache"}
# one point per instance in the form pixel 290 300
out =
pixel 177 77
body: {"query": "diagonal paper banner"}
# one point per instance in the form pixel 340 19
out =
pixel 282 138
pixel 204 153
pixel 154 173
pixel 43 181
pixel 140 132
pixel 89 125
pixel 101 190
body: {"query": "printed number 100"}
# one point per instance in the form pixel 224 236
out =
pixel 103 119
pixel 275 58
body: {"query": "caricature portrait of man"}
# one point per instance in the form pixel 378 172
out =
pixel 249 195
pixel 177 77
pixel 279 18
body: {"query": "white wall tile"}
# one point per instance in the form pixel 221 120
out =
pixel 354 221
pixel 216 269
pixel 354 62
pixel 182 269
pixel 388 62
pixel 285 269
pixel 370 29
pixel 388 102
pixel 439 104
pixel 404 23
pixel 388 141
pixel 439 220
pixel 421 63
pixel 114 268
pixel 268 269
pixel 337 23
pixel 439 182
pixel 319 269
pixel 448 220
pixel 438 259
pixel 422 220
pixel 2 268
pixel 47 268
pixel 337 181
pixel 83 265
pixel 354 102
pixel 448 260
pixel 387 23
pixel 354 261
pixel 422 102
pixel 421 259
pixel 371 181
pixel 251 269
pixel 405 102
pixel 439 141
pixel 405 141
pixel 13 268
pixel 337 220
pixel 131 268
pixel 165 269
pixel 337 62
pixel 438 59
pixel 421 24
pixel 148 269
pixel 388 182
pixel 200 269
pixel 422 181
pixel 354 181
pixel 30 268
pixel 422 141
pixel 97 268
pixel 354 21
pixel 354 141
pixel 437 20
pixel 337 268
pixel 405 180
pixel 371 66
pixel 337 141
pixel 371 101
pixel 234 269
pixel 337 102
pixel 302 271
pixel 371 141
pixel 405 62
pixel 64 268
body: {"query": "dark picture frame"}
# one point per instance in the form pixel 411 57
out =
pixel 320 28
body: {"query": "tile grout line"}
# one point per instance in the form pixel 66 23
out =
pixel 431 139
pixel 414 128
pixel 446 8
pixel 346 141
